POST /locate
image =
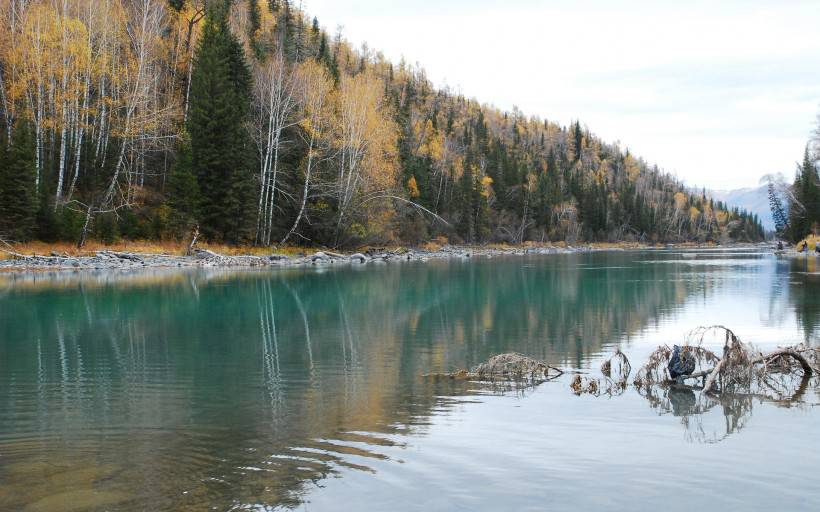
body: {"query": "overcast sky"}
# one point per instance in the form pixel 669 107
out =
pixel 718 93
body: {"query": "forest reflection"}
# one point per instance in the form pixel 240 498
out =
pixel 175 389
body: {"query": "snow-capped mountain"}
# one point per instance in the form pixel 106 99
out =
pixel 751 199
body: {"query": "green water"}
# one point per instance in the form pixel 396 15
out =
pixel 259 390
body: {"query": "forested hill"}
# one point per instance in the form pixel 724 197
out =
pixel 152 118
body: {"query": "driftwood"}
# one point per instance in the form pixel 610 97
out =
pixel 206 253
pixel 509 367
pixel 121 255
pixel 7 248
pixel 790 352
pixel 194 238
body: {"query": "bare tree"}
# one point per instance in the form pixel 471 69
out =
pixel 275 102
pixel 314 96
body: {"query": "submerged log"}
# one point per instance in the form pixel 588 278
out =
pixel 508 367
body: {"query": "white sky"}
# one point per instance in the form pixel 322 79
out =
pixel 718 93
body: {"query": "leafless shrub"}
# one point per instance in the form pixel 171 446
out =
pixel 619 364
pixel 593 386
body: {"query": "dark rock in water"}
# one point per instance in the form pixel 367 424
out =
pixel 682 362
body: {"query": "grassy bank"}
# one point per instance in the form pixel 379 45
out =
pixel 179 248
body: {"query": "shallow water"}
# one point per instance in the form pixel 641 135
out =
pixel 260 390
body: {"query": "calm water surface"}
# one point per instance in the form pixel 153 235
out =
pixel 261 390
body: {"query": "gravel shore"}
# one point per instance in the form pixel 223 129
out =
pixel 113 260
pixel 104 260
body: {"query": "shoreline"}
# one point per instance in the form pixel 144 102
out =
pixel 203 258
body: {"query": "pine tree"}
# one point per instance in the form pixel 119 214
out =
pixel 176 5
pixel 18 198
pixel 804 208
pixel 183 191
pixel 286 38
pixel 811 190
pixel 482 215
pixel 254 18
pixel 467 199
pixel 220 145
pixel 321 53
pixel 577 138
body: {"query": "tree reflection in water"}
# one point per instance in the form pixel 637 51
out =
pixel 210 387
pixel 712 417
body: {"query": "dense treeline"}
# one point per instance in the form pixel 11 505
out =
pixel 796 206
pixel 245 120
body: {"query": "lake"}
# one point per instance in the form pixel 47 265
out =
pixel 302 388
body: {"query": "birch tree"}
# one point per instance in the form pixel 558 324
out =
pixel 274 105
pixel 367 138
pixel 315 95
pixel 137 115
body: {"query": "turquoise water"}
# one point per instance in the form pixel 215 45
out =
pixel 261 390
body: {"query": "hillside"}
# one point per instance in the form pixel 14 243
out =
pixel 247 122
pixel 754 200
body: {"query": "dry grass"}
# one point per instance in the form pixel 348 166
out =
pixel 144 247
pixel 812 240
pixel 179 248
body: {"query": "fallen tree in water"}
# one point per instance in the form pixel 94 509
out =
pixel 712 395
pixel 509 367
pixel 740 369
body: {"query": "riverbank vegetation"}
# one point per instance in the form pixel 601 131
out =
pixel 795 206
pixel 247 122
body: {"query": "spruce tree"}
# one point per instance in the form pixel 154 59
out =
pixel 183 191
pixel 804 208
pixel 467 200
pixel 254 16
pixel 176 5
pixel 810 193
pixel 578 139
pixel 220 143
pixel 18 198
pixel 254 20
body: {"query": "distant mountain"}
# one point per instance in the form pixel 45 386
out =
pixel 752 199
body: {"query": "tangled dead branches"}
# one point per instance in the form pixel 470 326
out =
pixel 740 369
pixel 655 370
pixel 618 363
pixel 509 367
pixel 589 385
